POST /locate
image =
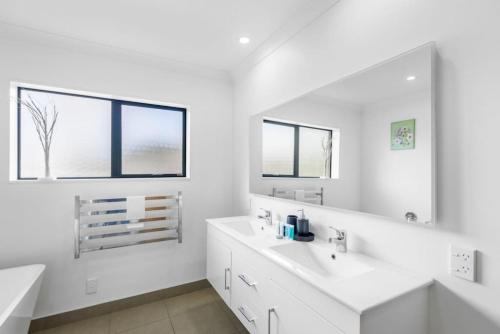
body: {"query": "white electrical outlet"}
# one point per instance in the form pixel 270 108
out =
pixel 91 286
pixel 463 263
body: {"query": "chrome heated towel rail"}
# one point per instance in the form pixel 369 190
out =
pixel 102 223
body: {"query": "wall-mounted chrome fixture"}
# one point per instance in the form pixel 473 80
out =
pixel 411 217
pixel 103 224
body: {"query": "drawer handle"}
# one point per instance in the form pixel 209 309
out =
pixel 247 281
pixel 269 311
pixel 225 278
pixel 250 317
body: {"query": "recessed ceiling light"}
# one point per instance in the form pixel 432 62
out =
pixel 244 40
pixel 411 78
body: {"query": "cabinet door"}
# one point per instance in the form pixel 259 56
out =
pixel 219 268
pixel 288 315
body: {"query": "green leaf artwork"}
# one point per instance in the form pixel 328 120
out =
pixel 403 135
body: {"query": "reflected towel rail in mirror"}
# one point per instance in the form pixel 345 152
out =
pixel 309 195
pixel 102 223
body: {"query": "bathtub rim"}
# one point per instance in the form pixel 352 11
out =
pixel 36 271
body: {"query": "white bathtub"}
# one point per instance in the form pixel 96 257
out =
pixel 19 289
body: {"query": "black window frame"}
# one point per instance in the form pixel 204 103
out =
pixel 296 150
pixel 116 136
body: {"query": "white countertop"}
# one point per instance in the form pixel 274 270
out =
pixel 360 292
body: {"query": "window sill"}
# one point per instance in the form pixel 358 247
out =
pixel 298 178
pixel 112 180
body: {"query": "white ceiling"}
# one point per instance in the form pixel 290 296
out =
pixel 199 32
pixel 383 81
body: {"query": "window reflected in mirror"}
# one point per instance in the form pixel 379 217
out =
pixel 298 150
pixel 278 150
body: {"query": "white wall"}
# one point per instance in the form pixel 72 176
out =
pixel 355 34
pixel 37 219
pixel 394 182
pixel 342 192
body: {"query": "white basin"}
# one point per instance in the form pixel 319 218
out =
pixel 244 227
pixel 318 260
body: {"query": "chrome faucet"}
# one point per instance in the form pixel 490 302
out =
pixel 268 216
pixel 340 239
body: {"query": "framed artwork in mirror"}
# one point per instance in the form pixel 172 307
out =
pixel 403 135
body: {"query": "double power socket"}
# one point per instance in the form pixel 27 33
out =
pixel 463 263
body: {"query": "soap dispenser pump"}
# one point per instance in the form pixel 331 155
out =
pixel 302 224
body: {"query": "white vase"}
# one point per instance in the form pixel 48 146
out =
pixel 47 179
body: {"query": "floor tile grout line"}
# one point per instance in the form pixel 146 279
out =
pixel 168 313
pixel 131 328
pixel 227 314
pixel 215 303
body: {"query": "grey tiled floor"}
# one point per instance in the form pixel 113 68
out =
pixel 199 312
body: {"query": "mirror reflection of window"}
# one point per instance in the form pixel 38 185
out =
pixel 315 152
pixel 278 149
pixel 293 150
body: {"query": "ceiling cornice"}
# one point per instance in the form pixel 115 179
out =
pixel 294 25
pixel 13 33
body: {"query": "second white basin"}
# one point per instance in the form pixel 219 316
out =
pixel 319 260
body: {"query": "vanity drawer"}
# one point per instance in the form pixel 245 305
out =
pixel 251 318
pixel 329 309
pixel 247 281
pixel 289 315
pixel 249 313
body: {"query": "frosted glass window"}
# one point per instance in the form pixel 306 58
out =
pixel 315 147
pixel 278 149
pixel 81 142
pixel 152 140
pixel 97 137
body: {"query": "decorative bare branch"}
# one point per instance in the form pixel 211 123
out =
pixel 44 125
pixel 326 144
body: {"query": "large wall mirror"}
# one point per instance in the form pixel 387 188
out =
pixel 363 143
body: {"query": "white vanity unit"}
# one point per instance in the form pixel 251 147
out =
pixel 279 286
